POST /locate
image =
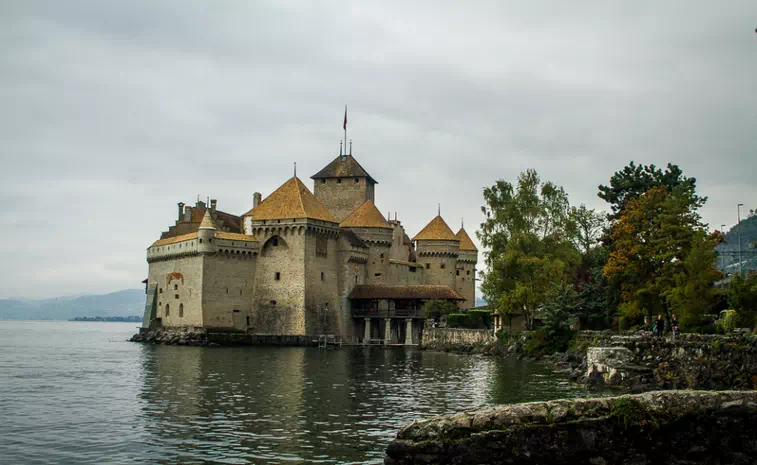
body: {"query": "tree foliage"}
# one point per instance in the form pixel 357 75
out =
pixel 529 231
pixel 661 257
pixel 635 180
pixel 742 297
pixel 436 308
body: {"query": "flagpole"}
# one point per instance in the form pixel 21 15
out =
pixel 345 129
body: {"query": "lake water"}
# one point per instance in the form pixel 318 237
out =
pixel 78 393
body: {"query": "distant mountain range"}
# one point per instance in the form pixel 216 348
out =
pixel 129 302
pixel 729 260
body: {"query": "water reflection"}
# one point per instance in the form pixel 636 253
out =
pixel 297 405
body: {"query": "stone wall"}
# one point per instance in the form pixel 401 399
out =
pixel 465 284
pixel 689 361
pixel 458 340
pixel 343 196
pixel 670 427
pixel 179 283
pixel 322 301
pixel 228 282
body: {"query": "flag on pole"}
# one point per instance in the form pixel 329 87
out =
pixel 345 118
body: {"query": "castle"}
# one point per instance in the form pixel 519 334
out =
pixel 302 263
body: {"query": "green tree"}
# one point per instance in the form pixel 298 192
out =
pixel 529 231
pixel 742 297
pixel 437 308
pixel 588 227
pixel 635 180
pixel 651 259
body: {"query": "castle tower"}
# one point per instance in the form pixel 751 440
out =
pixel 296 282
pixel 371 227
pixel 437 249
pixel 465 271
pixel 206 233
pixel 343 186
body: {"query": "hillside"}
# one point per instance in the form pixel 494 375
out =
pixel 121 303
pixel 730 258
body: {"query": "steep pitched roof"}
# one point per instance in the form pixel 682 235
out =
pixel 465 241
pixel 292 200
pixel 411 291
pixel 207 221
pixel 343 166
pixel 366 216
pixel 436 230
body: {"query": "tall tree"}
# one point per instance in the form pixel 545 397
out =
pixel 528 230
pixel 652 256
pixel 634 180
pixel 588 227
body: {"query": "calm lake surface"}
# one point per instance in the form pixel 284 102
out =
pixel 77 393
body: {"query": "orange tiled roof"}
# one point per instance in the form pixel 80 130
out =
pixel 417 291
pixel 465 241
pixel 174 239
pixel 366 216
pixel 235 236
pixel 436 230
pixel 292 200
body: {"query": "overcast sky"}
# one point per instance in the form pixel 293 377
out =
pixel 112 112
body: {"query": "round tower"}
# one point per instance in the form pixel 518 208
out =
pixel 206 234
pixel 466 269
pixel 437 249
pixel 371 227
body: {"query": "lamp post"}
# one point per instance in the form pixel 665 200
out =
pixel 722 255
pixel 738 216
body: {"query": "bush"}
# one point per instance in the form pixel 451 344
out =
pixel 479 319
pixel 438 308
pixel 729 320
pixel 456 320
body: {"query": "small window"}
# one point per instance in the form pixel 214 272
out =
pixel 275 242
pixel 273 302
pixel 357 180
pixel 277 276
pixel 321 275
pixel 355 279
pixel 175 287
pixel 200 241
pixel 240 292
pixel 457 272
pixel 181 310
pixel 176 296
pixel 428 266
pixel 377 274
pixel 467 272
pixel 248 320
pixel 227 290
pixel 338 181
pixel 382 255
pixel 161 290
pixel 443 266
pixel 168 309
pixel 323 181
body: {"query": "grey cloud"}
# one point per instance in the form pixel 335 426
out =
pixel 111 112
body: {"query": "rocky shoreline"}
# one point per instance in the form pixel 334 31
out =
pixel 664 427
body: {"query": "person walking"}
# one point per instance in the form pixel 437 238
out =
pixel 659 325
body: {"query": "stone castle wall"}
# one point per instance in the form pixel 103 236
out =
pixel 278 305
pixel 342 196
pixel 228 283
pixel 465 283
pixel 179 282
pixel 323 307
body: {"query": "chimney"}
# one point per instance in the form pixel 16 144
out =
pixel 256 199
pixel 181 210
pixel 213 203
pixel 187 214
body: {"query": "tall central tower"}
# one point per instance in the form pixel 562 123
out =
pixel 343 186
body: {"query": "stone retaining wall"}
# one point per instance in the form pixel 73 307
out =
pixel 665 427
pixel 458 340
pixel 204 337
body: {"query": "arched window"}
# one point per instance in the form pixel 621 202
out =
pixel 181 310
pixel 168 309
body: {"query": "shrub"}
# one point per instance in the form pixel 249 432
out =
pixel 729 320
pixel 437 308
pixel 479 319
pixel 456 320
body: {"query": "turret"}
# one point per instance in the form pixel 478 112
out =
pixel 371 227
pixel 465 270
pixel 437 249
pixel 206 234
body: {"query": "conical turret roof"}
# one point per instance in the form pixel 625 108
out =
pixel 436 230
pixel 465 241
pixel 207 221
pixel 366 216
pixel 292 200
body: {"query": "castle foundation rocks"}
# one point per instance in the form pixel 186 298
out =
pixel 666 427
